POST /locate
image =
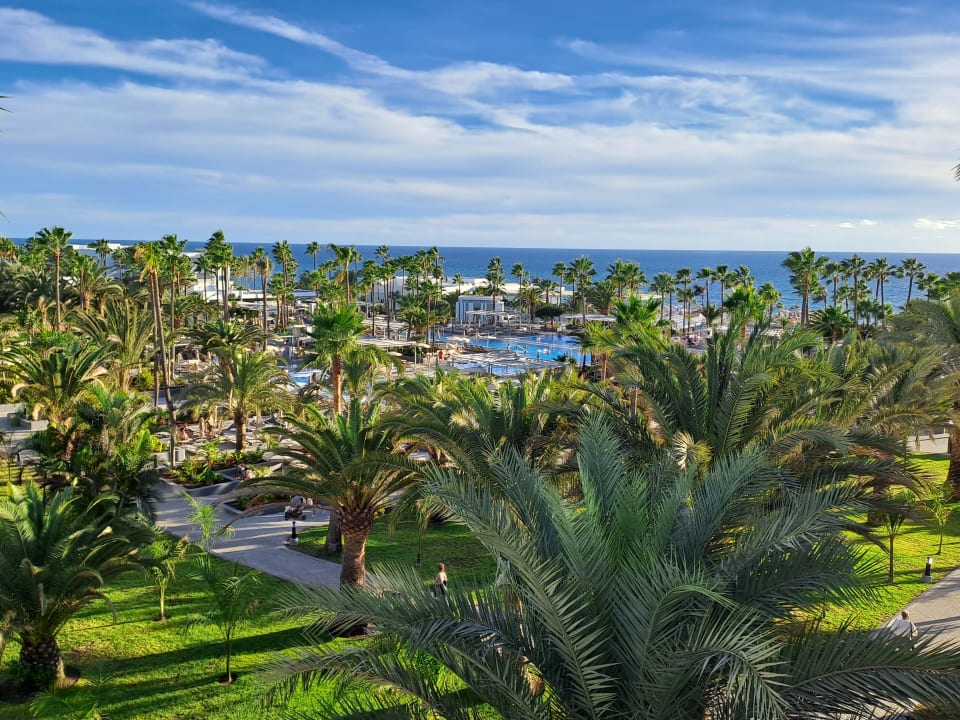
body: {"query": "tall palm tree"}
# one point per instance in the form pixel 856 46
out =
pixel 261 261
pixel 560 272
pixel 805 271
pixel 910 268
pixel 58 556
pixel 313 249
pixel 336 330
pixel 55 241
pixel 664 284
pixel 248 383
pixel 582 270
pixel 343 256
pixel 102 248
pixel 880 270
pixel 346 462
pixel 854 267
pixel 221 256
pixel 495 279
pixel 151 258
pixel 659 596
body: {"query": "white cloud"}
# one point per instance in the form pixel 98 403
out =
pixel 27 36
pixel 927 224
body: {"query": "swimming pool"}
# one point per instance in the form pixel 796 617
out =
pixel 548 346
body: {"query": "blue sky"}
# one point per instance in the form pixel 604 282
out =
pixel 743 125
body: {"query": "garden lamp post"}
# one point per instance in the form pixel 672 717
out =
pixel 293 532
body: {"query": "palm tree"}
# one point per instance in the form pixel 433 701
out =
pixel 55 241
pixel 659 596
pixel 495 279
pixel 88 281
pixel 336 330
pixel 261 261
pixel 232 599
pixel 879 270
pixel 910 268
pixel 53 380
pixel 832 323
pixel 854 267
pixel 8 250
pixel 58 556
pixel 151 258
pixel 560 272
pixel 161 559
pixel 313 249
pixel 460 419
pixel 221 256
pixel 581 269
pixel 805 271
pixel 124 329
pixel 664 284
pixel 102 249
pixel 940 322
pixel 343 255
pixel 346 462
pixel 224 339
pixel 248 383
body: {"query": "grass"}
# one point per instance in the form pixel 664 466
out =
pixel 916 542
pixel 165 671
pixel 466 560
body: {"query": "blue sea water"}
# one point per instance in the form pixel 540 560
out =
pixel 539 262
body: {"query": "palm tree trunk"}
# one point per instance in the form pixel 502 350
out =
pixel 56 273
pixel 161 354
pixel 356 526
pixel 333 544
pixel 42 658
pixel 263 284
pixel 953 470
pixel 336 379
pixel 229 643
pixel 240 424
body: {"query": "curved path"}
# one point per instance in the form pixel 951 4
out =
pixel 258 541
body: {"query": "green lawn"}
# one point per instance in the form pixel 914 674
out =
pixel 916 542
pixel 467 562
pixel 159 670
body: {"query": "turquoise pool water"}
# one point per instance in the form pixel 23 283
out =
pixel 548 346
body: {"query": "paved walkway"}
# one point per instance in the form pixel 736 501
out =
pixel 937 610
pixel 257 541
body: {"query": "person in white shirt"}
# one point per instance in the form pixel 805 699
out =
pixel 903 627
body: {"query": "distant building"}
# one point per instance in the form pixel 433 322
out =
pixel 474 308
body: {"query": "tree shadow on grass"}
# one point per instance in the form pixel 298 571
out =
pixel 192 677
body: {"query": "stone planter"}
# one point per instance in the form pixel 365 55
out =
pixel 17 420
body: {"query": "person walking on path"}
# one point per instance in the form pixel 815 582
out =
pixel 902 627
pixel 440 581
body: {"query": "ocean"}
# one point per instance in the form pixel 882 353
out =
pixel 471 262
